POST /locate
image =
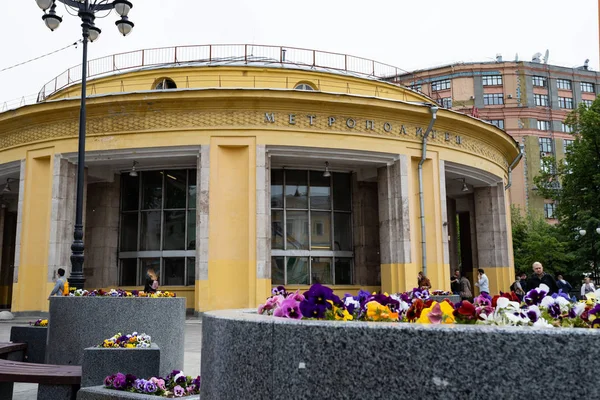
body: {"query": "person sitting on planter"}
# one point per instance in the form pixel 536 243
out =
pixel 151 284
pixel 423 281
pixel 61 287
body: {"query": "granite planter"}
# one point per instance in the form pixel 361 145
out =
pixel 245 355
pixel 101 393
pixel 35 337
pixel 454 298
pixel 100 362
pixel 80 322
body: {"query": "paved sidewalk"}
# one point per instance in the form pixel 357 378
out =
pixel 193 342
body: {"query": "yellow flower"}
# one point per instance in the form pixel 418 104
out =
pixel 129 346
pixel 378 312
pixel 44 322
pixel 447 313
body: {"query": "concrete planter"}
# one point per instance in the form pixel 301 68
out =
pixel 35 337
pixel 454 298
pixel 245 355
pixel 99 362
pixel 80 322
pixel 101 393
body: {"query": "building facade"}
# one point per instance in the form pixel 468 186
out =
pixel 230 175
pixel 529 100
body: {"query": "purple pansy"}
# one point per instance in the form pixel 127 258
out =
pixel 178 391
pixel 289 308
pixel 119 381
pixel 150 387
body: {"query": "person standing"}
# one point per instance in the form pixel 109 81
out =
pixel 483 283
pixel 455 283
pixel 523 282
pixel 563 285
pixel 465 289
pixel 539 276
pixel 587 287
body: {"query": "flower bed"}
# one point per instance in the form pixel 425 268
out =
pixel 176 384
pixel 85 321
pixel 118 293
pixel 40 322
pixel 129 341
pixel 538 308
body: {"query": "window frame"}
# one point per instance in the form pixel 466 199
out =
pixel 564 84
pixel 587 103
pixel 493 99
pixel 498 123
pixel 550 210
pixel 440 85
pixel 566 128
pixel 311 253
pixel 541 100
pixel 491 80
pixel 307 87
pixel 446 102
pixel 539 81
pixel 565 102
pixel 543 125
pixel 546 145
pixel 162 254
pixel 587 85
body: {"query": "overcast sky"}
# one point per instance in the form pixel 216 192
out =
pixel 406 34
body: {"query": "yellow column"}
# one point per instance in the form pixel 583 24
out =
pixel 232 224
pixel 31 291
pixel 438 271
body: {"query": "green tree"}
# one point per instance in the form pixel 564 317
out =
pixel 536 240
pixel 578 194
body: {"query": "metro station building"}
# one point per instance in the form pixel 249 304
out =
pixel 233 169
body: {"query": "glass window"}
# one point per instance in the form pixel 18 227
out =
pixel 416 87
pixel 567 144
pixel 162 228
pixel 587 103
pixel 310 229
pixel 497 122
pixel 565 102
pixel 277 270
pixel 440 85
pixel 297 271
pixel 446 102
pixel 563 84
pixel 539 81
pixel 165 83
pixel 151 190
pixel 304 86
pixel 493 99
pixel 541 100
pixel 491 80
pixel 543 125
pixel 587 87
pixel 549 210
pixel 546 145
pixel 566 128
pixel 174 272
pixel 127 275
pixel 343 271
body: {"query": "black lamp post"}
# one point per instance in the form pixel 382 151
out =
pixel 86 10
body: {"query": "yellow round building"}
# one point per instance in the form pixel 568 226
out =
pixel 232 169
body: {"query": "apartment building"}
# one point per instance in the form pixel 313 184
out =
pixel 529 100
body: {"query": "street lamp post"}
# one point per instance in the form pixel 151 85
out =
pixel 86 10
pixel 583 232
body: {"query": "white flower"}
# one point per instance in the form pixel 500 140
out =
pixel 544 287
pixel 517 319
pixel 578 308
pixel 547 301
pixel 542 323
pixel 349 301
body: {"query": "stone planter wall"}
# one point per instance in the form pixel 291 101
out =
pixel 245 355
pixel 35 337
pixel 101 393
pixel 100 362
pixel 80 322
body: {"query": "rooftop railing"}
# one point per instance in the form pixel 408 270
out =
pixel 215 54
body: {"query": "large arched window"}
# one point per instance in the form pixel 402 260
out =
pixel 311 228
pixel 165 83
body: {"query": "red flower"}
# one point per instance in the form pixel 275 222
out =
pixel 428 303
pixel 465 313
pixel 414 312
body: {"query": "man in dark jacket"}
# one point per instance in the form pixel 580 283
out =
pixel 539 277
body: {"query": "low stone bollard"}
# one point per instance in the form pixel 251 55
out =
pixel 77 323
pixel 35 337
pixel 101 393
pixel 100 362
pixel 251 356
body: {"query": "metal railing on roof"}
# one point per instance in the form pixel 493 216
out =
pixel 245 53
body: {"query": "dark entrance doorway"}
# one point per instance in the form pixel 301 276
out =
pixel 7 267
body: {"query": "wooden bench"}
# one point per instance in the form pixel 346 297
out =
pixel 12 351
pixel 56 382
